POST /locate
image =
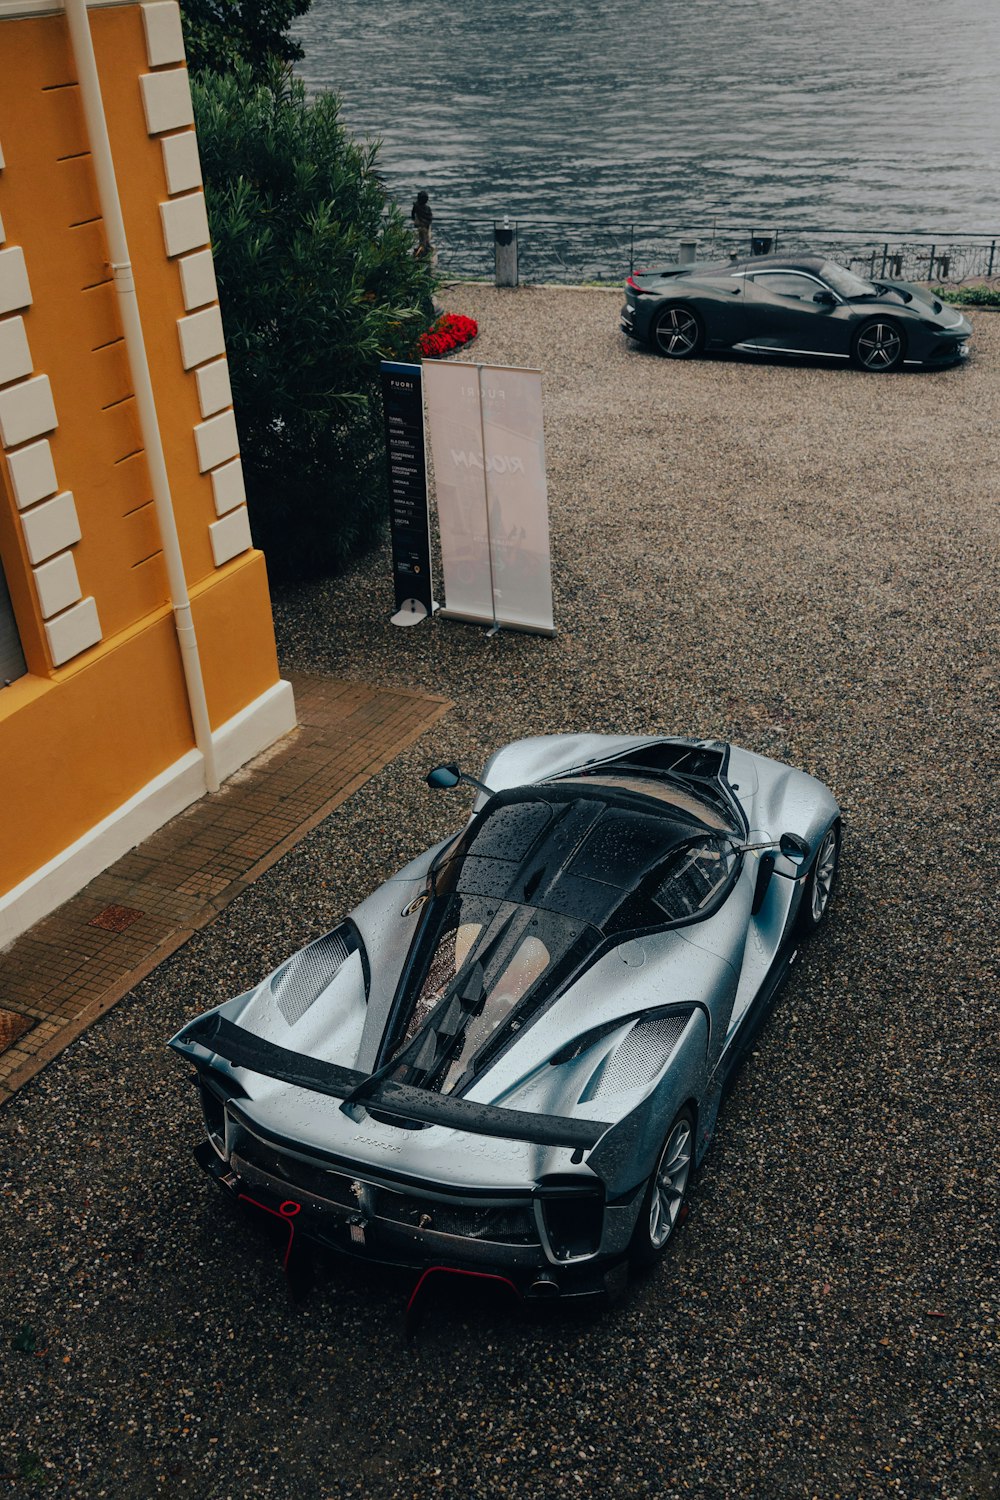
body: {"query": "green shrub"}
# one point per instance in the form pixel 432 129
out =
pixel 317 282
pixel 970 296
pixel 219 34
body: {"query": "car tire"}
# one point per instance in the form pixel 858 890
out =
pixel 878 346
pixel 678 332
pixel 664 1198
pixel 820 881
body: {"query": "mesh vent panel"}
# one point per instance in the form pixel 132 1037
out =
pixel 641 1055
pixel 304 978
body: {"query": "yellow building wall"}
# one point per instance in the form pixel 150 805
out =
pixel 121 51
pixel 232 615
pixel 77 740
pixel 75 747
pixel 48 198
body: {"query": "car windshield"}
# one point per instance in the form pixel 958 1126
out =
pixel 845 283
pixel 530 894
pixel 489 959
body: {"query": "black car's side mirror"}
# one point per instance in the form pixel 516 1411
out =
pixel 825 298
pixel 445 776
pixel 448 775
pixel 794 848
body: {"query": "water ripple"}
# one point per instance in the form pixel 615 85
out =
pixel 782 113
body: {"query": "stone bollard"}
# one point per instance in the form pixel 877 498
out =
pixel 688 252
pixel 505 251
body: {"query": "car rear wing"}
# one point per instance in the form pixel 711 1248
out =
pixel 243 1049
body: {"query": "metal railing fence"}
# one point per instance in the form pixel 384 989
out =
pixel 572 251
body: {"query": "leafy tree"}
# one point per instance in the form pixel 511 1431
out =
pixel 219 34
pixel 318 282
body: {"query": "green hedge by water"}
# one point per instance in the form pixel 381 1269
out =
pixel 970 296
pixel 317 282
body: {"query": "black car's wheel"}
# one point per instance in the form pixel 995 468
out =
pixel 678 333
pixel 878 346
pixel 820 881
pixel 664 1196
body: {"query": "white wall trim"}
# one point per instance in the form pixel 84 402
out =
pixel 155 804
pixel 198 279
pixel 230 536
pixel 74 631
pixel 32 473
pixel 161 22
pixel 254 728
pixel 228 487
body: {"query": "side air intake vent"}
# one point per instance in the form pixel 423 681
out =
pixel 641 1055
pixel 304 978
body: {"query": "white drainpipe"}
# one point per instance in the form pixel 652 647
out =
pixel 114 228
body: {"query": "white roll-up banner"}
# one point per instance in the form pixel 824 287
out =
pixel 488 447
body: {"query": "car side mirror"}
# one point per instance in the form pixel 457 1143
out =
pixel 794 848
pixel 825 298
pixel 449 774
pixel 445 776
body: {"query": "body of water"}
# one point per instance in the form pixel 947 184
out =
pixel 786 112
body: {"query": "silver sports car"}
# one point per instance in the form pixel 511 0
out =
pixel 510 1057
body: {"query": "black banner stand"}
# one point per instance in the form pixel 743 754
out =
pixel 403 405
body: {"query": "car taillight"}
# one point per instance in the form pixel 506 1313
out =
pixel 640 291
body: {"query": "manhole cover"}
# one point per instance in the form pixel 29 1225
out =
pixel 115 918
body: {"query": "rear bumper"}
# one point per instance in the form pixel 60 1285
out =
pixel 364 1231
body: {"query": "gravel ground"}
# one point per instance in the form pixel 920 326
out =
pixel 803 560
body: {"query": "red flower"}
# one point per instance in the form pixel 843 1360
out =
pixel 449 332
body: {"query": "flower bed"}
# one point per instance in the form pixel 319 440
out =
pixel 451 331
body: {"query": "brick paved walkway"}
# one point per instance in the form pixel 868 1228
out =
pixel 75 964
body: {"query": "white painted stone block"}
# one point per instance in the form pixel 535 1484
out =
pixel 26 411
pixel 216 440
pixel 198 279
pixel 181 162
pixel 51 527
pixel 164 39
pixel 228 487
pixel 185 223
pixel 3 235
pixel 230 536
pixel 166 100
pixel 2 162
pixel 57 585
pixel 15 356
pixel 15 289
pixel 73 631
pixel 32 473
pixel 214 389
pixel 201 337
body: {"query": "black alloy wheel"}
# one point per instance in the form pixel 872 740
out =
pixel 878 346
pixel 678 333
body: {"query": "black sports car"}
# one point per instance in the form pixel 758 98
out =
pixel 803 305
